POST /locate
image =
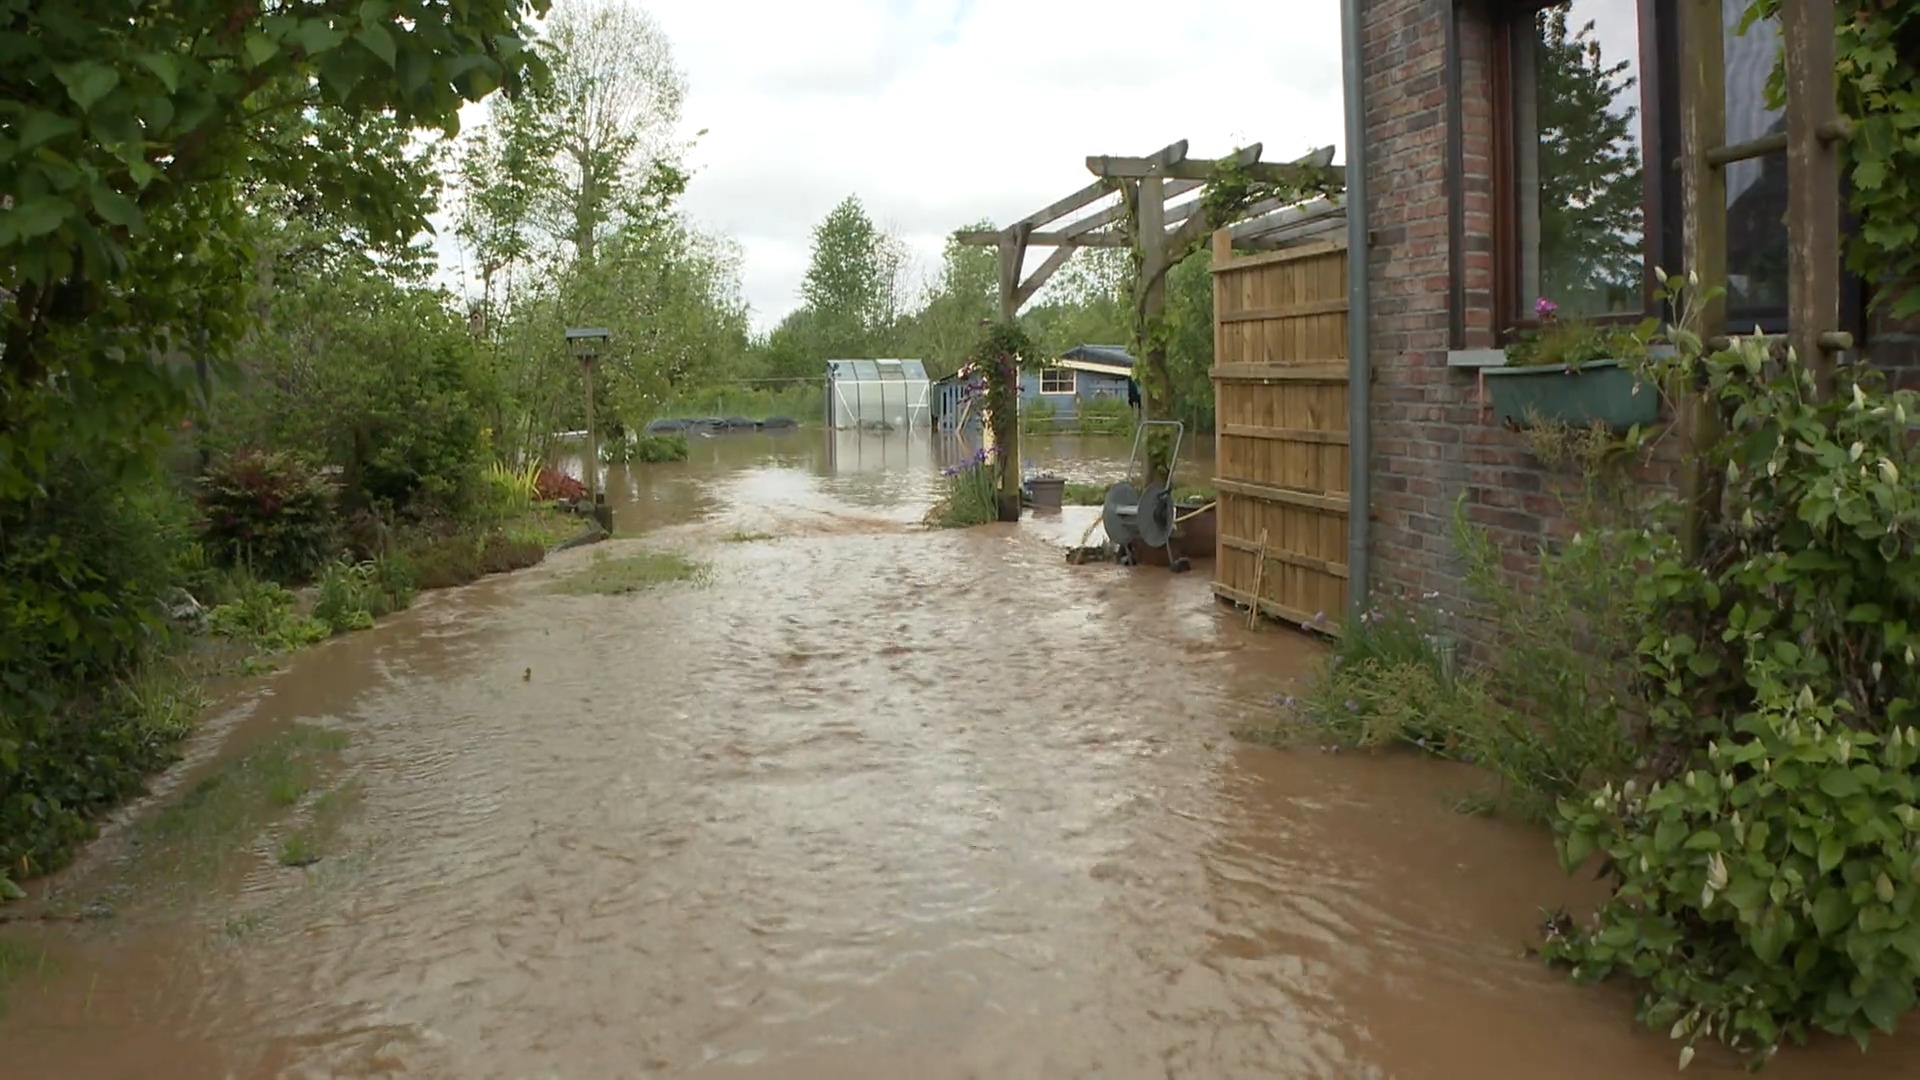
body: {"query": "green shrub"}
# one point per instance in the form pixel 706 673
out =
pixel 271 512
pixel 1105 416
pixel 1765 882
pixel 382 380
pixel 1077 494
pixel 1037 417
pixel 1767 893
pixel 264 615
pixel 352 595
pixel 660 448
pixel 84 564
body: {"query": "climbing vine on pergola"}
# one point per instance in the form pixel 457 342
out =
pixel 1168 207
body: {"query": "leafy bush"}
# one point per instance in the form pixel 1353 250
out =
pixel 1812 564
pixel 381 380
pixel 84 564
pixel 1766 885
pixel 1106 416
pixel 660 448
pixel 264 615
pixel 269 511
pixel 554 485
pixel 1037 417
pixel 353 594
pixel 1769 892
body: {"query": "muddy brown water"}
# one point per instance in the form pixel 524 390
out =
pixel 872 802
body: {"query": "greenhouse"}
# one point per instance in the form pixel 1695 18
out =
pixel 878 395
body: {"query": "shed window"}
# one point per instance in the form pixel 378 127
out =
pixel 1056 380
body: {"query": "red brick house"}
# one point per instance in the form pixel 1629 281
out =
pixel 1482 197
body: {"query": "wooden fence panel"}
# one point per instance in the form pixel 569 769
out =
pixel 1280 401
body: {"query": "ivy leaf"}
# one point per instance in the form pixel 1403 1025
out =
pixel 165 68
pixel 1840 783
pixel 1832 910
pixel 318 36
pixel 378 42
pixel 260 49
pixel 1832 850
pixel 116 208
pixel 38 216
pixel 43 127
pixel 87 82
pixel 1869 174
pixel 1886 1001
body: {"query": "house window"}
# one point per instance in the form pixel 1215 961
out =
pixel 1577 184
pixel 1056 380
pixel 1756 188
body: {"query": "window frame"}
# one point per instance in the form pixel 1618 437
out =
pixel 1512 31
pixel 1663 215
pixel 1073 381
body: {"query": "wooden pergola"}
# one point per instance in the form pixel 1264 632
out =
pixel 1159 203
pixel 1165 190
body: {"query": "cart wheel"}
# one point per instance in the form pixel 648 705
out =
pixel 1180 566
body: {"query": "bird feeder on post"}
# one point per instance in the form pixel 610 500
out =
pixel 584 343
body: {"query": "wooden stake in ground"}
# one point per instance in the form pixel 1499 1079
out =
pixel 1259 582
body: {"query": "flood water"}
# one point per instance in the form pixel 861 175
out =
pixel 872 801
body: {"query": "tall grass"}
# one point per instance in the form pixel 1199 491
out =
pixel 971 497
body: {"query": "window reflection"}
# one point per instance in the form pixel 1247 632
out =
pixel 1582 218
pixel 1757 188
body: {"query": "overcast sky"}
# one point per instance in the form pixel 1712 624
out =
pixel 941 112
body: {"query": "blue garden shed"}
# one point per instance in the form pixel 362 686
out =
pixel 1081 374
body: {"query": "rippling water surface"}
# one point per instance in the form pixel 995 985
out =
pixel 871 802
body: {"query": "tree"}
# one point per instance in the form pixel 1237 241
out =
pixel 141 131
pixel 504 170
pixel 852 280
pixel 964 294
pixel 1591 224
pixel 608 115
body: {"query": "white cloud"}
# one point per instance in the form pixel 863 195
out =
pixel 941 112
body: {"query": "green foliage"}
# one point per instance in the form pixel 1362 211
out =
pixel 1107 416
pixel 265 616
pixel 1571 342
pixel 1877 71
pixel 1771 891
pixel 1038 417
pixel 143 131
pixel 271 512
pixel 971 497
pixel 380 380
pixel 997 355
pixel 658 449
pixel 1811 565
pixel 351 595
pixel 1765 882
pixel 851 286
pixel 1077 494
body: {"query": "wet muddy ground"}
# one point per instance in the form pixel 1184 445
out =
pixel 865 801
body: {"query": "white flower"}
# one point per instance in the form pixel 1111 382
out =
pixel 1889 471
pixel 1854 451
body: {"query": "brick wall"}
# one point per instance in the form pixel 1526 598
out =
pixel 1433 439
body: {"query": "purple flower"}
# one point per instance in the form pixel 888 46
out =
pixel 1319 617
pixel 1352 705
pixel 1545 308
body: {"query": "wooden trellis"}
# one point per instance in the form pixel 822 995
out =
pixel 1812 145
pixel 1160 200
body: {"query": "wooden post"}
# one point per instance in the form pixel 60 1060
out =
pixel 1703 198
pixel 1813 185
pixel 1013 255
pixel 592 468
pixel 1151 296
